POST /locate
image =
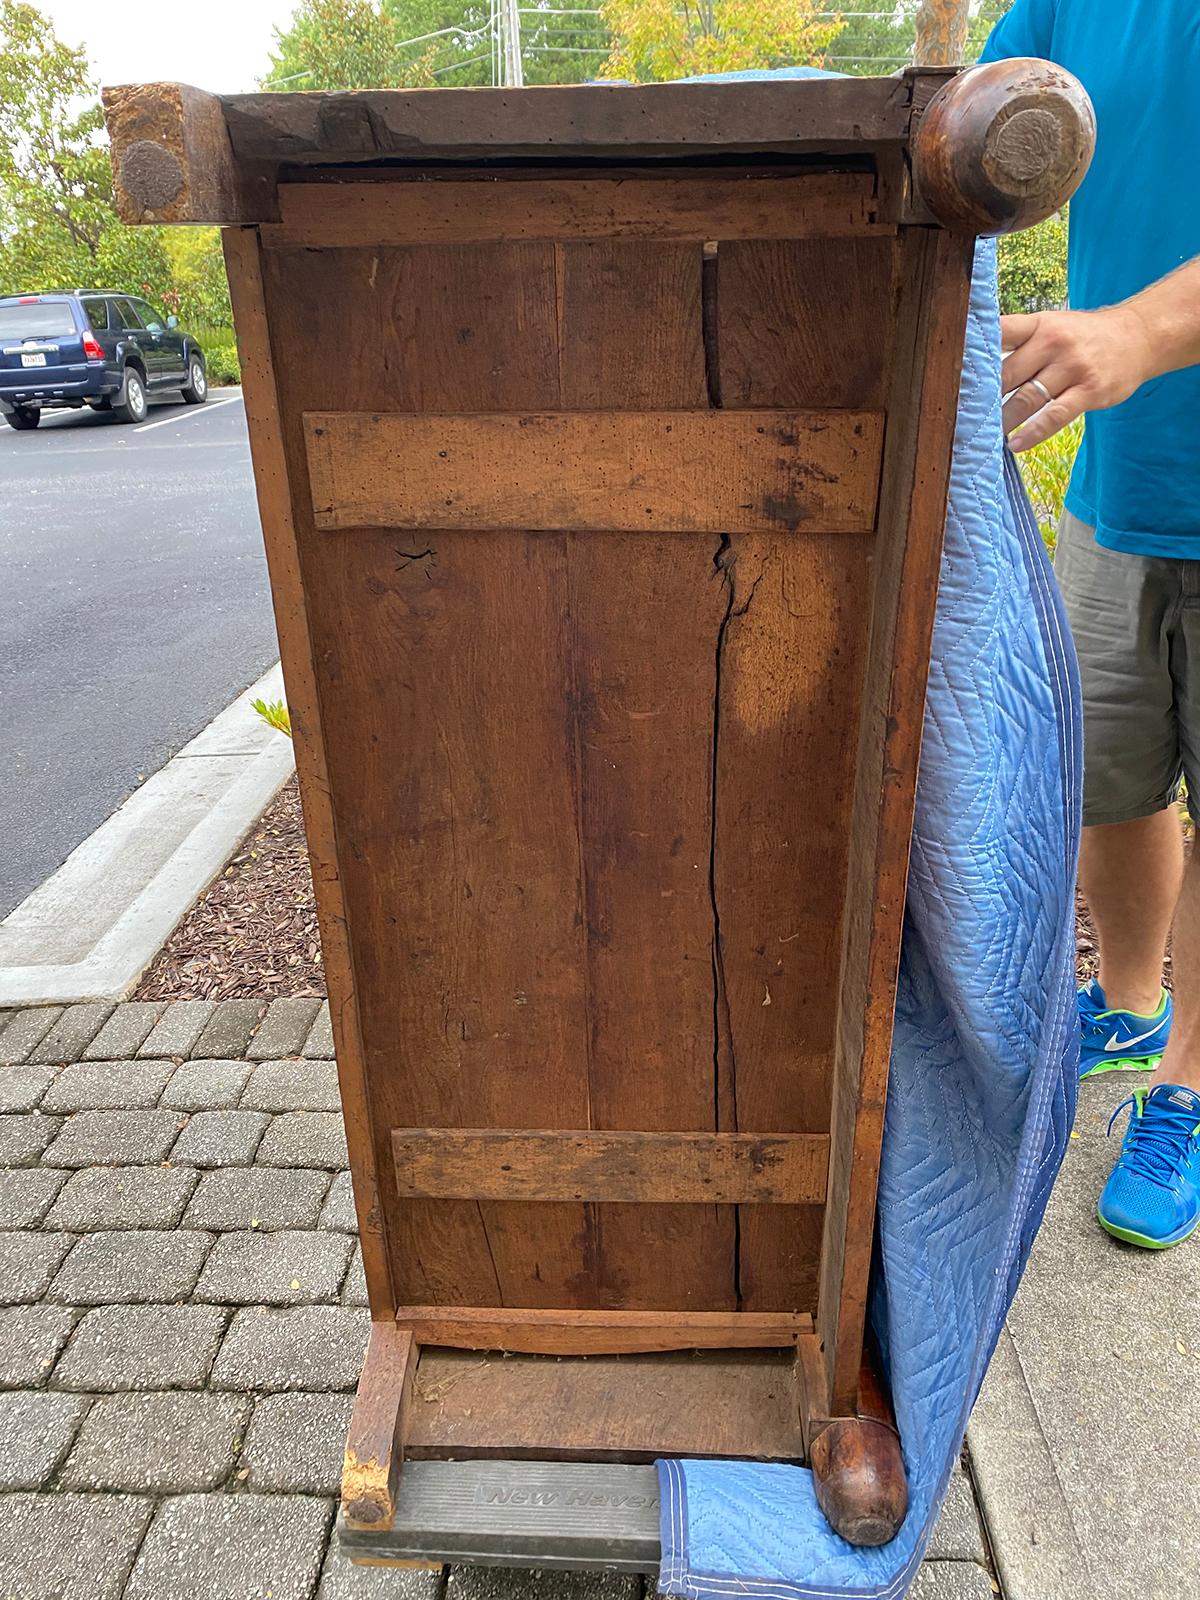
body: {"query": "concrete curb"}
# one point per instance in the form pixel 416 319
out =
pixel 91 930
pixel 1035 1545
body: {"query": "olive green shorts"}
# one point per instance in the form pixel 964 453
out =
pixel 1136 623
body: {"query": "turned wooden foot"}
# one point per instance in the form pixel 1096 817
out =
pixel 1002 146
pixel 860 1481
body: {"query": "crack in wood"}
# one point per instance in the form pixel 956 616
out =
pixel 723 1054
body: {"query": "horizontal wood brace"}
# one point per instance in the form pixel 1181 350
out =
pixel 600 1332
pixel 707 472
pixel 691 120
pixel 605 1408
pixel 473 211
pixel 622 1166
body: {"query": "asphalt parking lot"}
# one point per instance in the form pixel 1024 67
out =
pixel 134 605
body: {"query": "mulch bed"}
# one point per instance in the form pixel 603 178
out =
pixel 253 934
pixel 1085 943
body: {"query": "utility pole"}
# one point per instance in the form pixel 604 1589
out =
pixel 941 33
pixel 510 35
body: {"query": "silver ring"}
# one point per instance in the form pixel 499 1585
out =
pixel 1036 383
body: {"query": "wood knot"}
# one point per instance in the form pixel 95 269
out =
pixel 151 174
pixel 369 1512
pixel 1024 148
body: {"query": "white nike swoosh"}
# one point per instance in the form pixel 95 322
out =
pixel 1117 1043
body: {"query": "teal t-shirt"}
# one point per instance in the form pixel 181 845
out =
pixel 1135 218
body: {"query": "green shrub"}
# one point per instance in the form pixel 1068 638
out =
pixel 220 354
pixel 1033 267
pixel 1047 471
pixel 197 272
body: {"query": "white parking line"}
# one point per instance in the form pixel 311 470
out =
pixel 63 454
pixel 193 411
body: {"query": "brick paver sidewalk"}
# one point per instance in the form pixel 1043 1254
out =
pixel 182 1319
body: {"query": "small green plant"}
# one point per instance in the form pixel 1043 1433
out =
pixel 1047 472
pixel 275 714
pixel 1033 267
pixel 220 354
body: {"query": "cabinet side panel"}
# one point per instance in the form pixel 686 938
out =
pixel 276 491
pixel 935 278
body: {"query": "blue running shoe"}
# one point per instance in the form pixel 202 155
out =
pixel 1119 1041
pixel 1152 1197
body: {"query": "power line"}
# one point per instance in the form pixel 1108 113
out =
pixel 457 66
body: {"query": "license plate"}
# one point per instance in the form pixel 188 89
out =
pixel 33 361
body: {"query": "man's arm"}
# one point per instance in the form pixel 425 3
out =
pixel 1062 363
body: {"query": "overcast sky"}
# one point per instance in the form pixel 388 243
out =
pixel 222 45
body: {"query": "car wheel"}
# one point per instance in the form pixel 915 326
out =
pixel 133 407
pixel 195 390
pixel 23 417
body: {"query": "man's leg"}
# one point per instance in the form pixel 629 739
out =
pixel 1181 1061
pixel 1140 697
pixel 1122 610
pixel 1130 874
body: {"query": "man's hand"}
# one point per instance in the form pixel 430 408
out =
pixel 1062 363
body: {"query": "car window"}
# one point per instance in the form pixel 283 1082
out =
pixel 96 312
pixel 36 319
pixel 127 317
pixel 152 319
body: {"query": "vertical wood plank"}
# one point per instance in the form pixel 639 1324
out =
pixel 798 322
pixel 806 322
pixel 455 811
pixel 261 394
pixel 645 613
pixel 790 682
pixel 935 286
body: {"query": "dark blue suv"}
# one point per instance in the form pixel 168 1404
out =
pixel 94 347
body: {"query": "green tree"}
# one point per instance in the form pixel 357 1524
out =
pixel 984 17
pixel 1033 267
pixel 197 275
pixel 381 44
pixel 372 44
pixel 563 41
pixel 656 40
pixel 58 228
pixel 55 180
pixel 871 45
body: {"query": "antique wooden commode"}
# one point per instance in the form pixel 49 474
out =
pixel 601 437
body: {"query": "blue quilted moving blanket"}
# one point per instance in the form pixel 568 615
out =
pixel 983 1060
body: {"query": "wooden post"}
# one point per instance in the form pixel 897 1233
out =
pixel 172 160
pixel 375 1444
pixel 941 33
